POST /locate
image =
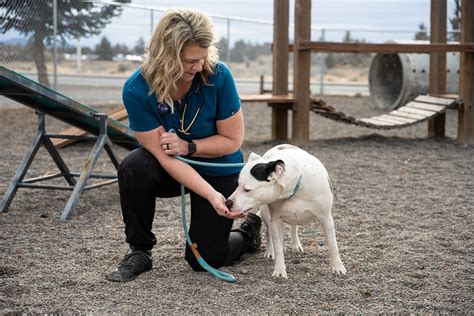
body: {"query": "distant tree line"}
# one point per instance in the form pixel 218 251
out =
pixel 106 51
pixel 243 51
pixel 348 59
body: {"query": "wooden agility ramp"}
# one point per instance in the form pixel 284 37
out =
pixel 102 129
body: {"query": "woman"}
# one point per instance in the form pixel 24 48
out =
pixel 182 86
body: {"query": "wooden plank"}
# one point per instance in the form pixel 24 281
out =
pixel 396 118
pixel 466 116
pixel 385 48
pixel 267 98
pixel 426 106
pixel 117 114
pixel 407 115
pixel 446 96
pixel 301 73
pixel 372 121
pixel 392 122
pixel 417 111
pixel 434 100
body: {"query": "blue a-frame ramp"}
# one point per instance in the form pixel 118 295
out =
pixel 49 102
pixel 43 99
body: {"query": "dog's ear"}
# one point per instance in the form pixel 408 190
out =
pixel 268 171
pixel 253 156
pixel 276 169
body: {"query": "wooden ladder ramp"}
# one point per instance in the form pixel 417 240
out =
pixel 423 108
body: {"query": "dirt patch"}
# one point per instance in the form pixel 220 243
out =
pixel 403 216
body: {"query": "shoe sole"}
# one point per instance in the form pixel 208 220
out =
pixel 117 277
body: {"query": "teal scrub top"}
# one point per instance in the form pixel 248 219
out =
pixel 205 104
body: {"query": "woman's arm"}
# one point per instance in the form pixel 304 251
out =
pixel 183 173
pixel 229 138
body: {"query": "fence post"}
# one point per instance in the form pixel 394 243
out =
pixel 322 65
pixel 437 79
pixel 55 48
pixel 151 22
pixel 466 114
pixel 301 73
pixel 228 42
pixel 280 67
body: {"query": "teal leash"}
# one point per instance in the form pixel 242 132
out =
pixel 193 246
pixel 219 274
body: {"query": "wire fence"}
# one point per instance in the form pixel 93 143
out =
pixel 51 39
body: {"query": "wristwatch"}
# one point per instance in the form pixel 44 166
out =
pixel 191 148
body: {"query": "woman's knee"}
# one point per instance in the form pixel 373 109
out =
pixel 136 165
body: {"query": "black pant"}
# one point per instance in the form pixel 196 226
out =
pixel 141 179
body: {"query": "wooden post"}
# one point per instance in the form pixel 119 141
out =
pixel 466 91
pixel 280 67
pixel 437 81
pixel 301 73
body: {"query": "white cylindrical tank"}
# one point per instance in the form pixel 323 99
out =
pixel 395 79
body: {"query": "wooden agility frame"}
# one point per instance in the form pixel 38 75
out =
pixel 303 47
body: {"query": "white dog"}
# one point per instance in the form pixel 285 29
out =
pixel 296 187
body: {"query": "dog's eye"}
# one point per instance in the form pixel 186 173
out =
pixel 247 190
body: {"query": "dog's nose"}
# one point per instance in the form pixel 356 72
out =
pixel 229 204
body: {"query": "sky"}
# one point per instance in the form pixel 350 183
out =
pixel 371 20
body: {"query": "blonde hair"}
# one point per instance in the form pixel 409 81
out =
pixel 177 29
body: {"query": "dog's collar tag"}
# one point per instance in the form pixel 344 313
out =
pixel 296 189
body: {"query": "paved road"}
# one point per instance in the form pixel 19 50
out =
pixel 99 89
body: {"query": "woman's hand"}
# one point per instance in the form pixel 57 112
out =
pixel 217 201
pixel 172 144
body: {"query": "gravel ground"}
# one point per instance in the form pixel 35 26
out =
pixel 403 215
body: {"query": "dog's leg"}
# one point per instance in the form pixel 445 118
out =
pixel 336 263
pixel 277 235
pixel 295 243
pixel 265 215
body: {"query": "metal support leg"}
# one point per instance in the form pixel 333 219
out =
pixel 77 187
pixel 53 152
pixel 102 141
pixel 24 166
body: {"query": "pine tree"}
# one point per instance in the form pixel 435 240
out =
pixel 422 34
pixel 104 49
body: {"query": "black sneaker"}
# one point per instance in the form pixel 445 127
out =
pixel 131 266
pixel 251 230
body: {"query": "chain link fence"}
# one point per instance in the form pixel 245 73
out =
pixel 92 43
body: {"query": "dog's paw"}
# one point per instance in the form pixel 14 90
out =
pixel 297 247
pixel 269 254
pixel 280 273
pixel 338 268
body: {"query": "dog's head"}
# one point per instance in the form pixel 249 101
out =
pixel 259 183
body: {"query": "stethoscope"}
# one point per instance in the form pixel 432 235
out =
pixel 164 109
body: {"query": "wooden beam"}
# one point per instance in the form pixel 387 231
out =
pixel 119 114
pixel 269 98
pixel 385 48
pixel 280 67
pixel 437 79
pixel 301 73
pixel 466 91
